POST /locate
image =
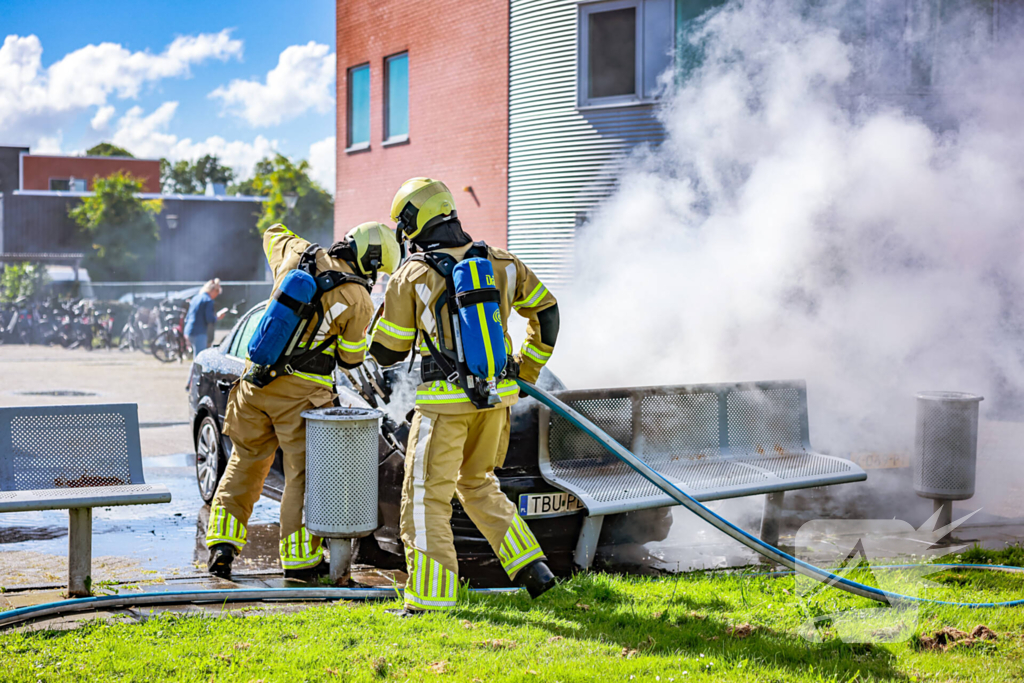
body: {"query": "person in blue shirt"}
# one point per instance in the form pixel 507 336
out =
pixel 202 317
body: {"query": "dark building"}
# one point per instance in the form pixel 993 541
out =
pixel 200 236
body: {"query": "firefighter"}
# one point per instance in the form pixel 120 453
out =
pixel 259 420
pixel 453 445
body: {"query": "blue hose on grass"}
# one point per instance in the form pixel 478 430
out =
pixel 22 614
pixel 727 527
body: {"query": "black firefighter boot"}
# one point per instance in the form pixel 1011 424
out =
pixel 309 574
pixel 221 557
pixel 536 578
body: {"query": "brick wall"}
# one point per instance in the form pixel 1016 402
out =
pixel 458 108
pixel 38 170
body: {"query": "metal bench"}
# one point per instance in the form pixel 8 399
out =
pixel 73 458
pixel 714 440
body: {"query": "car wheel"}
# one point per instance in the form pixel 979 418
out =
pixel 368 551
pixel 209 460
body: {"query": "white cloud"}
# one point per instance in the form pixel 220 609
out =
pixel 47 145
pixel 146 136
pixel 102 117
pixel 322 161
pixel 302 80
pixel 35 101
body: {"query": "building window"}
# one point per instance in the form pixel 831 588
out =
pixel 67 184
pixel 359 107
pixel 624 46
pixel 396 98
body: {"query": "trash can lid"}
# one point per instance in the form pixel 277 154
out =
pixel 949 396
pixel 342 414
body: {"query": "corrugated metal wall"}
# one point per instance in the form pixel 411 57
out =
pixel 561 161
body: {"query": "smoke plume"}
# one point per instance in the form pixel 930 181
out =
pixel 839 198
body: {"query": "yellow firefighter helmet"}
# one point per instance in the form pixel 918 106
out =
pixel 375 247
pixel 421 203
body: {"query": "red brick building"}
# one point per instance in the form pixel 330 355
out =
pixel 456 114
pixel 75 174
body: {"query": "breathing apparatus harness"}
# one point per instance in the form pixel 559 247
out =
pixel 297 302
pixel 466 306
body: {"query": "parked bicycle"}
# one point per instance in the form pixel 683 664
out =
pixel 139 332
pixel 170 343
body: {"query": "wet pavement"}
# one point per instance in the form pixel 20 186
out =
pixel 133 542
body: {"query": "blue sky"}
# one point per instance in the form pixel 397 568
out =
pixel 142 74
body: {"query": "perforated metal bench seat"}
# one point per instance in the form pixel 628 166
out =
pixel 74 458
pixel 713 440
pixel 85 497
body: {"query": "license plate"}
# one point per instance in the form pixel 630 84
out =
pixel 549 504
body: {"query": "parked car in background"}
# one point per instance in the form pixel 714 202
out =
pixel 554 516
pixel 65 283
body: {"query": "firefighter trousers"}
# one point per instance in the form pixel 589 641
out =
pixel 258 421
pixel 455 455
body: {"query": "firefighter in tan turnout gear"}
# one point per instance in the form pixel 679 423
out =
pixel 265 408
pixel 456 441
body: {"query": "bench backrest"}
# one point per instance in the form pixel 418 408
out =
pixel 696 422
pixel 47 447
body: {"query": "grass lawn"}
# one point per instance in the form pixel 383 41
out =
pixel 691 627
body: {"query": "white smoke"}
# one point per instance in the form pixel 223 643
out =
pixel 815 212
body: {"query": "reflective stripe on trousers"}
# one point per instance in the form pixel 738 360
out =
pixel 430 585
pixel 440 391
pixel 224 528
pixel 297 551
pixel 519 547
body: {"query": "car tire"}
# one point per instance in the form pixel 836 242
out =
pixel 367 551
pixel 210 458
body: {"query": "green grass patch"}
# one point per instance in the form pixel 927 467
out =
pixel 1010 556
pixel 596 627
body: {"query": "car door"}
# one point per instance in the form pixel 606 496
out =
pixel 233 365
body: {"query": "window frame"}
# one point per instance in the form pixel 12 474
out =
pixel 390 139
pixel 583 55
pixel 358 146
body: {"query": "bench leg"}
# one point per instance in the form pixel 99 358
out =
pixel 79 551
pixel 586 546
pixel 771 517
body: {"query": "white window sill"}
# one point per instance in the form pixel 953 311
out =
pixel 618 105
pixel 360 147
pixel 396 140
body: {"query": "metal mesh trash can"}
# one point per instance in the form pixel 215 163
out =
pixel 946 444
pixel 341 478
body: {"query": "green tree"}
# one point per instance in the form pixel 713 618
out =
pixel 277 177
pixel 120 227
pixel 21 280
pixel 107 149
pixel 185 177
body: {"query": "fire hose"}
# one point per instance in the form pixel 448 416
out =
pixel 55 609
pixel 757 545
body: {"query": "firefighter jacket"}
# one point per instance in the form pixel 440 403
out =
pixel 409 301
pixel 347 309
